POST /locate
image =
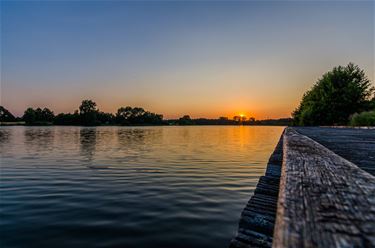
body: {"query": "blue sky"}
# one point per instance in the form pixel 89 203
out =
pixel 203 58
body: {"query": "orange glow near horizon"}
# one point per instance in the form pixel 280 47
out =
pixel 197 58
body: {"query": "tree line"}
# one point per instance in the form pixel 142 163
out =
pixel 87 115
pixel 186 120
pixel 342 96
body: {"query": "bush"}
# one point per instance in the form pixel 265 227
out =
pixel 363 119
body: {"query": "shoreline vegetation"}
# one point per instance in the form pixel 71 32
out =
pixel 89 115
pixel 343 96
pixel 200 122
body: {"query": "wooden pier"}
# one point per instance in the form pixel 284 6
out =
pixel 319 200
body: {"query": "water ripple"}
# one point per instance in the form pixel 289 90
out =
pixel 128 187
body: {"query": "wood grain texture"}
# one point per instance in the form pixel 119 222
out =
pixel 324 200
pixel 354 144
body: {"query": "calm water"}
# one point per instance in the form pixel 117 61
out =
pixel 128 187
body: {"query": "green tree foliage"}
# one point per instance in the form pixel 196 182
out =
pixel 5 115
pixel 137 116
pixel 88 113
pixel 363 119
pixel 335 97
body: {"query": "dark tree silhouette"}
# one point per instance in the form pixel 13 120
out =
pixel 138 116
pixel 29 116
pixel 87 106
pixel 105 118
pixel 335 97
pixel 45 115
pixel 123 115
pixel 239 119
pixel 5 115
pixel 38 116
pixel 68 119
pixel 185 120
pixel 88 113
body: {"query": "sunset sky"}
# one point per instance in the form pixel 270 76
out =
pixel 205 59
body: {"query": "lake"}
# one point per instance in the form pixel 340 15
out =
pixel 163 187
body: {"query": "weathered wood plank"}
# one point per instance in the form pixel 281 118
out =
pixel 324 200
pixel 354 144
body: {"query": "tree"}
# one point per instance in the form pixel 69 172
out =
pixel 5 115
pixel 105 118
pixel 29 116
pixel 87 106
pixel 88 113
pixel 123 115
pixel 335 97
pixel 68 119
pixel 152 118
pixel 185 120
pixel 38 116
pixel 137 115
pixel 239 118
pixel 128 115
pixel 47 115
pixel 251 119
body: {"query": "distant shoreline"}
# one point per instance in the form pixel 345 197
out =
pixel 2 124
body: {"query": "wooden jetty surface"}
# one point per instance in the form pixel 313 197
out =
pixel 324 199
pixel 354 144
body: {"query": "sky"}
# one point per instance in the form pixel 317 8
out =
pixel 201 58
